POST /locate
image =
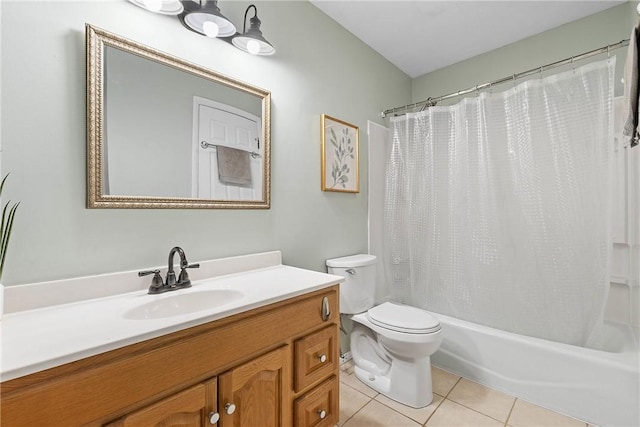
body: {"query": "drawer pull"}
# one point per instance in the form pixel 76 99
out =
pixel 322 414
pixel 326 311
pixel 322 358
pixel 214 417
pixel 230 408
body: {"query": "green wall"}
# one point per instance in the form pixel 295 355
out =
pixel 318 68
pixel 592 32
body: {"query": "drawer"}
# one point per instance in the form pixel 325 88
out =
pixel 315 357
pixel 319 407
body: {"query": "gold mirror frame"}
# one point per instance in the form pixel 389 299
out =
pixel 96 40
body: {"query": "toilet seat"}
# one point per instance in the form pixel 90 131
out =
pixel 403 318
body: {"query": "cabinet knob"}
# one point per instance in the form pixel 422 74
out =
pixel 322 358
pixel 214 417
pixel 322 414
pixel 230 408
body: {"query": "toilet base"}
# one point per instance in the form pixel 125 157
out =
pixel 407 382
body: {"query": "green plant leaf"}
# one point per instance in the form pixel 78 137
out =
pixel 6 226
pixel 2 184
pixel 6 233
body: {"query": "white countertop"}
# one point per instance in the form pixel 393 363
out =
pixel 49 336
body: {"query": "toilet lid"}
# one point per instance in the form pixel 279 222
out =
pixel 403 318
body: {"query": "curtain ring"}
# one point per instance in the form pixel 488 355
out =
pixel 573 65
pixel 608 53
pixel 426 105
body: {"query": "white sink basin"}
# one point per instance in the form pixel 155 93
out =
pixel 175 304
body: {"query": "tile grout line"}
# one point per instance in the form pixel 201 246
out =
pixel 470 408
pixel 478 412
pixel 443 399
pixel 505 423
pixel 510 411
pixel 402 413
pixel 454 386
pixel 361 408
pixel 435 410
pixel 394 410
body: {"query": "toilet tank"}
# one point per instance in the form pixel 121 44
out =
pixel 357 292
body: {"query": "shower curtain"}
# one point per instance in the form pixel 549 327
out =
pixel 497 208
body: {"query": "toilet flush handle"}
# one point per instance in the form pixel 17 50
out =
pixel 351 271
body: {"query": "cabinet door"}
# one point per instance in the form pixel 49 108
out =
pixel 188 408
pixel 253 394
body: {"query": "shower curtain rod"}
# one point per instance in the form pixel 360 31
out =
pixel 433 101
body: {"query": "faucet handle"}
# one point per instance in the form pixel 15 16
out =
pixel 156 273
pixel 183 279
pixel 156 282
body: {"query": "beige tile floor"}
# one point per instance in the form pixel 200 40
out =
pixel 457 402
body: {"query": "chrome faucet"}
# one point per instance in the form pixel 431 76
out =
pixel 159 286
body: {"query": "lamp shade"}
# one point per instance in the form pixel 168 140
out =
pixel 204 18
pixel 252 41
pixel 165 7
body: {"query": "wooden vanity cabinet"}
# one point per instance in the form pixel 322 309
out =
pixel 259 391
pixel 318 407
pixel 190 408
pixel 260 368
pixel 251 394
pixel 315 362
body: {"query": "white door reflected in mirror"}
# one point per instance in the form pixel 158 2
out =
pixel 220 125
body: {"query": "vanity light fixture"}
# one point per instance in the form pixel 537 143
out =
pixel 252 41
pixel 204 17
pixel 165 7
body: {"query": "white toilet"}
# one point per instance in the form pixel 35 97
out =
pixel 391 344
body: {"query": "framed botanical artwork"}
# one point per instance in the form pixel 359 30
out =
pixel 339 156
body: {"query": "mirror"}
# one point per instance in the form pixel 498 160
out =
pixel 165 133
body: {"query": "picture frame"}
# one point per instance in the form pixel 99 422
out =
pixel 340 165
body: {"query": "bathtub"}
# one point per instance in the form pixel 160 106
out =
pixel 600 387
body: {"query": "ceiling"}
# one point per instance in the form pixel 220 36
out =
pixel 421 36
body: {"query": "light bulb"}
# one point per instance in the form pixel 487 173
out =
pixel 153 5
pixel 211 29
pixel 253 47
